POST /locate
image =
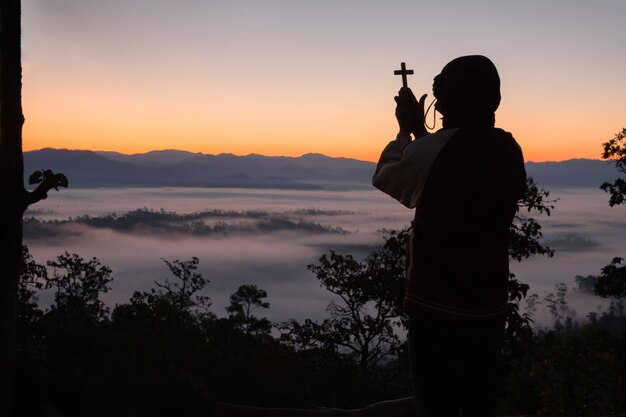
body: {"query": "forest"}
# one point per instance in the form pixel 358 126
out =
pixel 167 352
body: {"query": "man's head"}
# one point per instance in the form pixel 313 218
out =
pixel 467 91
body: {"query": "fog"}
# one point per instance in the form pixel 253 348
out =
pixel 298 227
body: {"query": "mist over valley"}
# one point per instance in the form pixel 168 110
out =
pixel 268 237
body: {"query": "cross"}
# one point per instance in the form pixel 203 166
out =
pixel 404 72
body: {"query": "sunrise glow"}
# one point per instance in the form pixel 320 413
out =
pixel 289 79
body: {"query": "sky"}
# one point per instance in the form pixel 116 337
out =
pixel 289 77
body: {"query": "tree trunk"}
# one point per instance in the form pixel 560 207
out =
pixel 12 192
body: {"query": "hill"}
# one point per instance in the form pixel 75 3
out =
pixel 88 169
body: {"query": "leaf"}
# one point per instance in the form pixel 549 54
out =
pixel 61 181
pixel 35 178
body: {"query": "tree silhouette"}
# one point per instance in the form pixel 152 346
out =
pixel 78 284
pixel 560 311
pixel 615 150
pixel 612 281
pixel 243 302
pixel 525 242
pixel 370 294
pixel 183 291
pixel 14 198
pixel 160 345
pixel 32 279
pixel 362 319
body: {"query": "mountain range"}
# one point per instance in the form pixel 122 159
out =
pixel 89 169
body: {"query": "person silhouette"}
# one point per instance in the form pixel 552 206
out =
pixel 464 182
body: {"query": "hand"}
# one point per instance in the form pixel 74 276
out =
pixel 410 112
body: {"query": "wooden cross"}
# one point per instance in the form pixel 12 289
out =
pixel 404 72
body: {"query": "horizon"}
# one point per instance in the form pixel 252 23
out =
pixel 291 78
pixel 276 156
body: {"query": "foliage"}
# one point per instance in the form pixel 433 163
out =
pixel 65 342
pixel 615 150
pixel 160 354
pixel 571 369
pixel 45 181
pixel 581 371
pixel 78 284
pixel 586 284
pixel 164 352
pixel 47 176
pixel 160 349
pixel 362 319
pixel 612 281
pixel 525 242
pixel 574 373
pixel 387 266
pixel 526 232
pixel 182 292
pixel 559 309
pixel 32 279
pixel 243 302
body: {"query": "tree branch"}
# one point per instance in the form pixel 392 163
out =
pixel 47 180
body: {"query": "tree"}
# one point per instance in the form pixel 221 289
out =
pixel 11 181
pixel 78 284
pixel 183 291
pixel 387 265
pixel 612 280
pixel 370 294
pixel 577 373
pixel 14 197
pixel 586 284
pixel 176 300
pixel 162 350
pixel 562 313
pixel 525 242
pixel 611 283
pixel 362 319
pixel 615 150
pixel 32 279
pixel 73 333
pixel 243 302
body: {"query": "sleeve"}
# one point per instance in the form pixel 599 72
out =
pixel 404 165
pixel 392 167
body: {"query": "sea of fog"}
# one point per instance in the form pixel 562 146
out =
pixel 583 229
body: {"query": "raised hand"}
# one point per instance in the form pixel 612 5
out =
pixel 410 112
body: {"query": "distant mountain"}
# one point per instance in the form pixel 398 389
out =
pixel 87 169
pixel 168 156
pixel 572 173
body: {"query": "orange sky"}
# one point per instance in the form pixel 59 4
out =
pixel 291 78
